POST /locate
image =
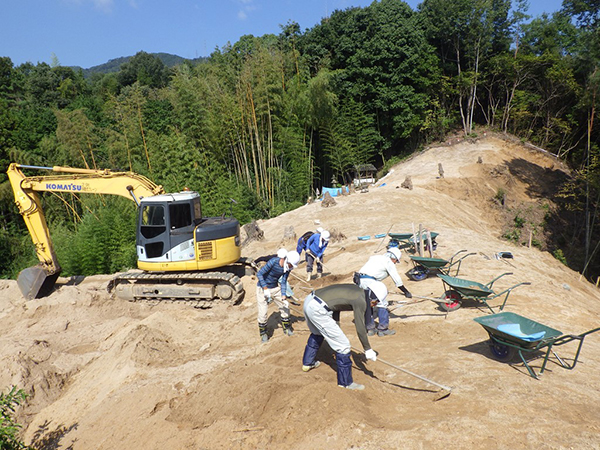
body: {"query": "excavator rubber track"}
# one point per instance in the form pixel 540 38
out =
pixel 198 289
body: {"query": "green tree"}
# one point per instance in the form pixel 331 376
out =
pixel 145 69
pixel 9 428
pixel 75 132
pixel 465 33
pixel 380 58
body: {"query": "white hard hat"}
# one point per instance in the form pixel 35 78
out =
pixel 325 235
pixel 394 252
pixel 320 230
pixel 282 253
pixel 293 258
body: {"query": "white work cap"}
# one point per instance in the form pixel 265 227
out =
pixel 282 253
pixel 394 252
pixel 292 258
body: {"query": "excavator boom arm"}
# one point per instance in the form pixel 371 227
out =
pixel 126 184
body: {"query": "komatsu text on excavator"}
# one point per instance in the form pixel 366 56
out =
pixel 181 255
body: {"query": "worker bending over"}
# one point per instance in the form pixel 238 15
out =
pixel 315 248
pixel 377 268
pixel 301 245
pixel 321 310
pixel 271 278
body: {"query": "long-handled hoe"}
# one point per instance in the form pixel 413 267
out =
pixel 444 392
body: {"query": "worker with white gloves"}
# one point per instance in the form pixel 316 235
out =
pixel 321 310
pixel 272 280
pixel 315 248
pixel 370 277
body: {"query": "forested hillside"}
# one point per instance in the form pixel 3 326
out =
pixel 268 120
pixel 114 65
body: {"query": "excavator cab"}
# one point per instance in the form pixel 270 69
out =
pixel 173 235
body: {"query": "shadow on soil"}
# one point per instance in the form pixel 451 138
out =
pixel 44 439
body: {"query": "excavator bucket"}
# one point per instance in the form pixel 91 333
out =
pixel 35 282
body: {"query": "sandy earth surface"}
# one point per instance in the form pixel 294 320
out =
pixel 106 374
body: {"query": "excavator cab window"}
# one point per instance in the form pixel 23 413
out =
pixel 153 221
pixel 180 215
pixel 197 211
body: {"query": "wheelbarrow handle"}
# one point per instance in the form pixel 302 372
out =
pixel 463 257
pixel 588 332
pixel 489 285
pixel 524 283
pixel 510 289
pixel 460 251
pixel 457 253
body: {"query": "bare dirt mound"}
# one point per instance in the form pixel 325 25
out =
pixel 106 374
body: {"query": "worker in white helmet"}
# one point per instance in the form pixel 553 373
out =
pixel 370 277
pixel 315 248
pixel 272 280
pixel 286 288
pixel 301 245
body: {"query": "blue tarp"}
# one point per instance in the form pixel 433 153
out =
pixel 334 192
pixel 514 329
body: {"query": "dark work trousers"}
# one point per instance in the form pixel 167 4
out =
pixel 310 260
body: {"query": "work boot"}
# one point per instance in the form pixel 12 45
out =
pixel 287 327
pixel 311 367
pixel 372 332
pixel 319 275
pixel 262 329
pixel 354 386
pixel 308 276
pixel 387 332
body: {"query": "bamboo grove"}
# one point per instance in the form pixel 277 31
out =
pixel 262 123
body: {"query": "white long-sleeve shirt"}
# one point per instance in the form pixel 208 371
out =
pixel 381 266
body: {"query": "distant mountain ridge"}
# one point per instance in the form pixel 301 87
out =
pixel 114 65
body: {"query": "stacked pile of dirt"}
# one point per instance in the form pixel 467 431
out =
pixel 105 374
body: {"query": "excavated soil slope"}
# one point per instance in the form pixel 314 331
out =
pixel 108 374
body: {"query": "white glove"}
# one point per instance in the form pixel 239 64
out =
pixel 318 260
pixel 371 355
pixel 267 294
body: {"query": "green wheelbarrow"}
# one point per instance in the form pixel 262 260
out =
pixel 512 334
pixel 424 266
pixel 407 240
pixel 457 289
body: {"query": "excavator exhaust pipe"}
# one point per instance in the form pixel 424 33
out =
pixel 35 282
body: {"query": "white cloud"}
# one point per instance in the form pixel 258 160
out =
pixel 247 6
pixel 104 5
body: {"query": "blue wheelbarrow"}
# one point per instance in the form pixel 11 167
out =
pixel 512 334
pixel 457 289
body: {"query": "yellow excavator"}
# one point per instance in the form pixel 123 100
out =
pixel 182 256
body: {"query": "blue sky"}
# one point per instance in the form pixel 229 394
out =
pixel 87 33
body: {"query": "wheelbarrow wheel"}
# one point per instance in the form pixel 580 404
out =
pixel 452 298
pixel 419 273
pixel 502 352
